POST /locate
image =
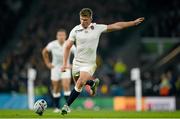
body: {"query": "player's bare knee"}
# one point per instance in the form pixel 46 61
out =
pixel 81 82
pixel 55 89
pixel 66 88
pixel 79 85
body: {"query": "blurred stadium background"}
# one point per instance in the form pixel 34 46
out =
pixel 154 46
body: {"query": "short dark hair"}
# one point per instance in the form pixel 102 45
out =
pixel 86 12
pixel 61 30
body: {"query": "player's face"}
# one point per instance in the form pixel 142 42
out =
pixel 61 36
pixel 85 21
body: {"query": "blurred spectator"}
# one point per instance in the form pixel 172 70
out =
pixel 165 85
pixel 178 86
pixel 51 15
pixel 120 69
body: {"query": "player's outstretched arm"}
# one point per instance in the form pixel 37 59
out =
pixel 67 48
pixel 121 25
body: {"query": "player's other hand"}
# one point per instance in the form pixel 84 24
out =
pixel 50 65
pixel 64 67
pixel 139 20
pixel 69 66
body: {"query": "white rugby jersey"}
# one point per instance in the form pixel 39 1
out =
pixel 86 42
pixel 57 52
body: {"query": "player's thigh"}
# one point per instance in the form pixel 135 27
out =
pixel 84 76
pixel 55 78
pixel 66 78
pixel 90 69
pixel 75 73
pixel 66 74
pixel 66 81
pixel 55 74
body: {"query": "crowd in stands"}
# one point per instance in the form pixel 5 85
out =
pixel 40 30
pixel 164 20
pixel 11 12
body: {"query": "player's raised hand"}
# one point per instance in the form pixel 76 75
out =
pixel 139 20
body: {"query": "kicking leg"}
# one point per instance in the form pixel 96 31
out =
pixel 84 76
pixel 91 84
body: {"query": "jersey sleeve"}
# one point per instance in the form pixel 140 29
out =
pixel 102 27
pixel 72 35
pixel 49 47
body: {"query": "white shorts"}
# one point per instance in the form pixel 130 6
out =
pixel 91 68
pixel 57 75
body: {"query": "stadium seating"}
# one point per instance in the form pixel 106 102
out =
pixel 51 15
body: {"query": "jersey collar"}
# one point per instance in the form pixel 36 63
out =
pixel 90 26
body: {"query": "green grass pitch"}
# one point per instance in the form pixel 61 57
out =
pixel 88 114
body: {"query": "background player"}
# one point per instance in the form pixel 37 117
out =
pixel 59 79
